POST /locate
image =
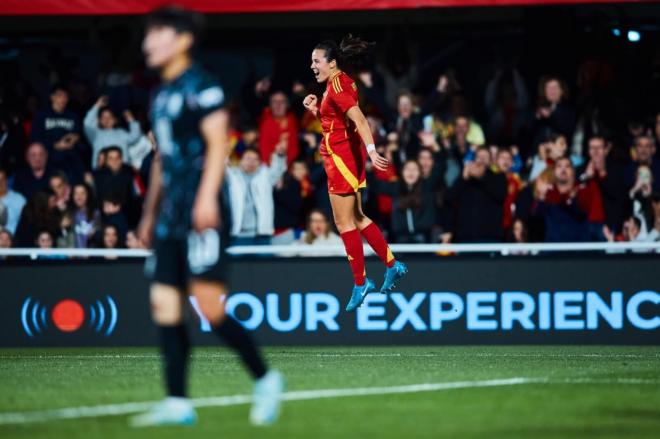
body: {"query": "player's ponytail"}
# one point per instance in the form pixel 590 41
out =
pixel 349 53
pixel 353 49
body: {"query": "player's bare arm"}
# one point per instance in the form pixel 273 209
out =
pixel 152 199
pixel 206 211
pixel 356 115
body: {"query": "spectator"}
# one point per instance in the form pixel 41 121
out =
pixel 407 126
pixel 113 215
pixel 553 113
pixel 507 103
pixel 567 207
pixel 12 201
pixel 459 150
pixel 59 184
pixel 110 236
pixel 477 198
pixel 318 233
pixel 12 142
pixel 517 233
pixel 654 233
pixel 5 238
pixel 610 177
pixel 278 126
pixel 44 240
pixel 643 155
pixel 66 237
pixel 58 129
pixel 287 196
pixel 86 218
pixel 431 164
pixel 38 214
pixel 110 239
pixel 413 204
pixel 503 164
pixel 251 196
pixel 37 176
pixel 3 216
pixel 116 180
pixel 549 151
pixel 102 131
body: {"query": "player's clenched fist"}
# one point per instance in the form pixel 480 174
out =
pixel 310 103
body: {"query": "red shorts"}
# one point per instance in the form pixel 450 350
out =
pixel 344 161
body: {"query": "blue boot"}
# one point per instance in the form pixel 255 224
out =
pixel 393 274
pixel 359 293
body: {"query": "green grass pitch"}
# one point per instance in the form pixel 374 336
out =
pixel 572 392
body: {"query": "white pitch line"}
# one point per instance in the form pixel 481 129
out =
pixel 222 401
pixel 300 395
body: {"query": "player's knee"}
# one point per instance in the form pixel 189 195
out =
pixel 214 313
pixel 343 224
pixel 166 308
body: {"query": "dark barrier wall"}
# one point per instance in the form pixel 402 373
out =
pixel 300 301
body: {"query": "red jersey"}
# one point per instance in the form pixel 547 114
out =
pixel 339 97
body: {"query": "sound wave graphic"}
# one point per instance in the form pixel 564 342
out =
pixel 33 317
pixel 102 316
pixel 97 319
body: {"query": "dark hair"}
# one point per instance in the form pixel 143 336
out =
pixel 350 52
pixel 104 109
pixel 112 148
pixel 598 137
pixel 61 175
pixel 308 239
pixel 111 197
pixel 505 149
pixel 541 88
pixel 181 20
pixel 58 86
pixel 254 150
pixel 90 206
pixel 46 231
pixel 564 158
pixel 637 221
pixel 102 237
pixel 410 198
pixel 511 237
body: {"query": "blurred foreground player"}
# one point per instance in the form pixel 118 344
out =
pixel 191 127
pixel 347 141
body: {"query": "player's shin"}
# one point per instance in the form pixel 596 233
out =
pixel 175 347
pixel 237 337
pixel 355 252
pixel 376 240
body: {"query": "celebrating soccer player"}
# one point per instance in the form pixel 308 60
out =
pixel 345 134
pixel 190 125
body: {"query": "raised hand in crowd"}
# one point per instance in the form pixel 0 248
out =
pixel 262 86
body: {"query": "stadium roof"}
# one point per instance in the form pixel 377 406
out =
pixel 122 7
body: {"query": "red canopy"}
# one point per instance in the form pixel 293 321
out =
pixel 111 7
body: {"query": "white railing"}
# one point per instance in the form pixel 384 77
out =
pixel 301 250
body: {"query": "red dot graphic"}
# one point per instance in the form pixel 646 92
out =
pixel 68 315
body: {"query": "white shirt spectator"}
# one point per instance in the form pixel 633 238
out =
pixel 254 181
pixel 13 203
pixel 101 138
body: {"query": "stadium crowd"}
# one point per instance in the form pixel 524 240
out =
pixel 540 167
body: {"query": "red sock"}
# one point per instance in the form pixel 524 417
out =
pixel 355 252
pixel 376 240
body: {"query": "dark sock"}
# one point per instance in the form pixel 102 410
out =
pixel 175 348
pixel 237 337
